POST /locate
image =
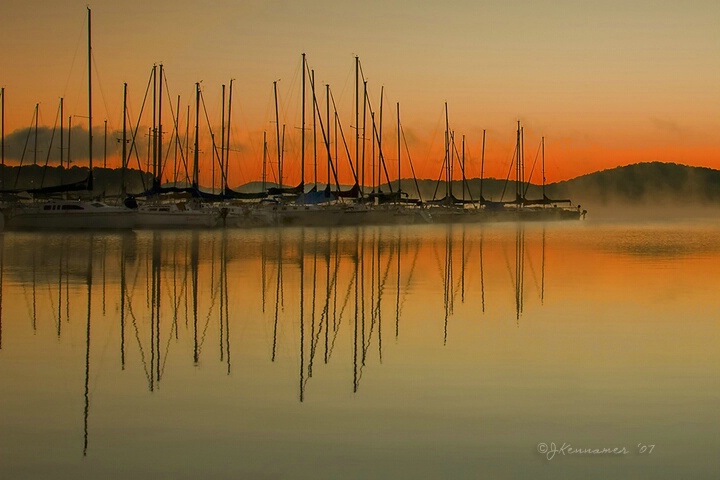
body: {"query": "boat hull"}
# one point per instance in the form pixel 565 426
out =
pixel 80 220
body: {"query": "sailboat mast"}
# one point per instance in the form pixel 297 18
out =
pixel 357 116
pixel 264 164
pixel 314 109
pixel 277 135
pixel 522 161
pixel 227 140
pixel 37 106
pixel 150 153
pixel 105 144
pixel 464 180
pixel 482 167
pixel 196 157
pixel 447 154
pixel 222 137
pixel 379 135
pixel 327 115
pixel 69 132
pixel 543 168
pixel 372 154
pixel 364 127
pixel 62 119
pixel 123 165
pixel 177 142
pixel 398 148
pixel 517 165
pixel 302 129
pixel 153 132
pixel 187 144
pixel 160 130
pixel 89 59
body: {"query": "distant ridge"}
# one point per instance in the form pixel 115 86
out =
pixel 640 183
pixel 656 183
pixel 652 182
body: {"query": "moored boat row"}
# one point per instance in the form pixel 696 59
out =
pixel 278 205
pixel 96 215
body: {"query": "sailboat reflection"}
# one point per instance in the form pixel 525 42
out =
pixel 325 305
pixel 89 282
pixel 523 256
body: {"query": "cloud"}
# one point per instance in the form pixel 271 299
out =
pixel 667 126
pixel 43 145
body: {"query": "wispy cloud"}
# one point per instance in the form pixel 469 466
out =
pixel 667 126
pixel 43 145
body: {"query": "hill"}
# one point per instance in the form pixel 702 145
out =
pixel 641 184
pixel 645 183
pixel 653 183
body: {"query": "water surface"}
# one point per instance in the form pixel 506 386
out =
pixel 412 352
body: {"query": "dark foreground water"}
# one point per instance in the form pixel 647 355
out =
pixel 574 350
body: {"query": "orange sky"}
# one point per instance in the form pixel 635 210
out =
pixel 606 84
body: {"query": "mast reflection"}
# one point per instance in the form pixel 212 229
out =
pixel 323 294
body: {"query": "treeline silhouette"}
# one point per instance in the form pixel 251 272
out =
pixel 639 183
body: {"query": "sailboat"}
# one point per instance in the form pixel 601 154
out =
pixel 548 208
pixel 71 214
pixel 164 214
pixel 524 209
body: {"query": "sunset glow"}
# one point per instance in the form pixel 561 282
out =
pixel 606 84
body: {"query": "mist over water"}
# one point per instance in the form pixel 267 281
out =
pixel 438 351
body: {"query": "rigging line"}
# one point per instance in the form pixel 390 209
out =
pixel 510 272
pixel 185 160
pixel 440 266
pixel 213 297
pixel 278 289
pixel 313 340
pixel 291 145
pixel 49 149
pixel 167 349
pixel 381 156
pixel 342 134
pixel 412 168
pixel 462 170
pixel 99 84
pixel 82 36
pixel 346 301
pixel 440 176
pixel 139 342
pixel 532 169
pixel 534 273
pixel 134 131
pixel 215 154
pixel 324 135
pixel 52 304
pixel 348 78
pixel 381 289
pixel 173 330
pixel 175 116
pixel 458 285
pixel 133 286
pixel 27 140
pixel 507 179
pixel 436 130
pixel 409 280
pixel 336 265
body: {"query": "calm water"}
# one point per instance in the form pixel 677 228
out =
pixel 417 352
